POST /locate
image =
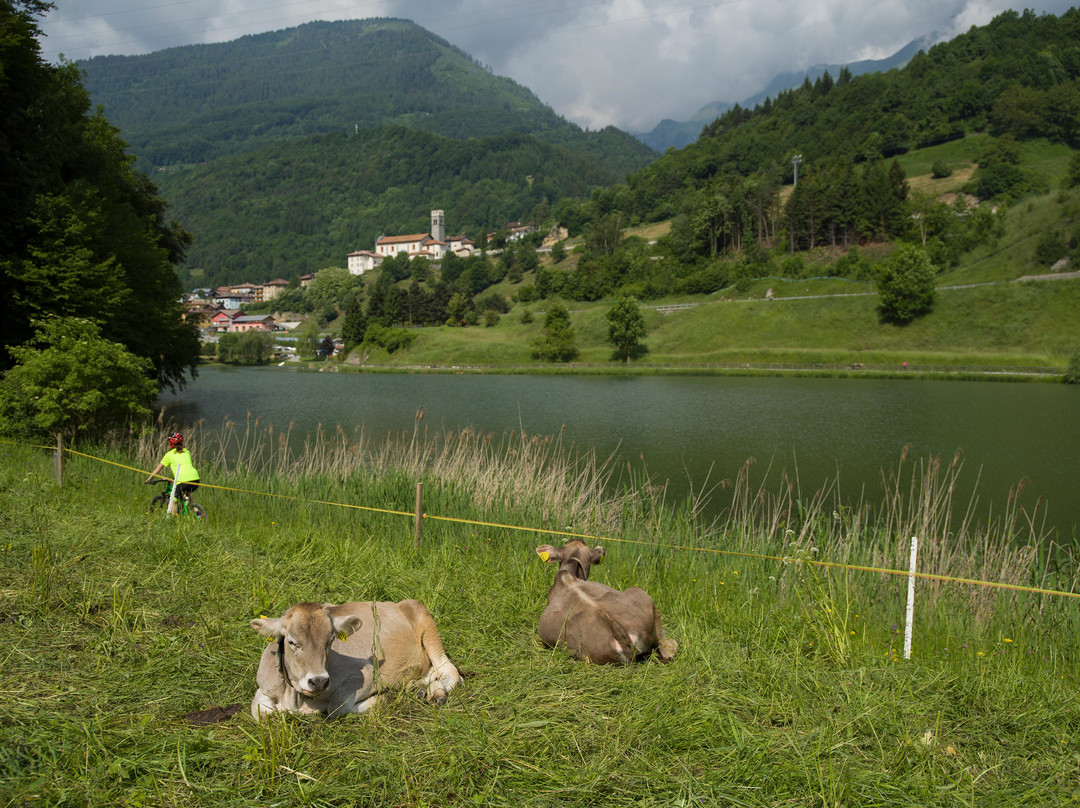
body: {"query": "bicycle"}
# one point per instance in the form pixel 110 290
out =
pixel 184 503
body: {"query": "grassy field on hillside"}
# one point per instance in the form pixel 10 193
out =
pixel 818 319
pixel 789 687
pixel 1016 324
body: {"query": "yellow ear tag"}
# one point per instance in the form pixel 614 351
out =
pixel 544 555
pixel 342 636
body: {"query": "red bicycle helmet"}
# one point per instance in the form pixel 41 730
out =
pixel 176 439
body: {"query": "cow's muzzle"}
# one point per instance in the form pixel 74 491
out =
pixel 316 684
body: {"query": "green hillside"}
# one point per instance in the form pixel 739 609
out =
pixel 1018 75
pixel 1001 305
pixel 296 207
pixel 282 152
pixel 196 103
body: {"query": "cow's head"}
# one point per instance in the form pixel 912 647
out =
pixel 575 557
pixel 304 634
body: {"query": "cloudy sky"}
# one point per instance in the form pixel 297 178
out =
pixel 597 62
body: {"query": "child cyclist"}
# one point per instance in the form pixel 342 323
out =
pixel 178 460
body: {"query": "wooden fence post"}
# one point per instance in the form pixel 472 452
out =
pixel 58 459
pixel 419 514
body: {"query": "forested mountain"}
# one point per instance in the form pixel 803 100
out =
pixel 682 133
pixel 986 99
pixel 285 151
pixel 298 206
pixel 199 102
pixel 1019 75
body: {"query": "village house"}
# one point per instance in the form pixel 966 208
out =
pixel 272 289
pixel 252 322
pixel 518 230
pixel 199 313
pixel 433 246
pixel 229 299
pixel 222 321
pixel 462 245
pixel 362 261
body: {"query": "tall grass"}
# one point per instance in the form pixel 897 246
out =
pixel 535 482
pixel 788 688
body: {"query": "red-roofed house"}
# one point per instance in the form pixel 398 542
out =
pixel 272 289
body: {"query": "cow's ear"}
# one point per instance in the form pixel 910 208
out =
pixel 549 553
pixel 598 554
pixel 269 626
pixel 344 626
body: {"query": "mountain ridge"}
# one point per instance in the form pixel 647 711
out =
pixel 195 103
pixel 671 133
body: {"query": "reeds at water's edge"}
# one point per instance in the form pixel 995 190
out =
pixel 537 481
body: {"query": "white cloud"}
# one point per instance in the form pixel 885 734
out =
pixel 624 62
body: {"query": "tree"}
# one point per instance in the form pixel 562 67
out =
pixel 711 220
pixel 307 338
pixel 626 326
pixel 457 310
pixel 331 287
pixel 602 235
pixel 352 330
pixel 906 285
pixel 247 348
pixel 1072 372
pixel 1072 173
pixel 78 217
pixel 70 379
pixel 557 343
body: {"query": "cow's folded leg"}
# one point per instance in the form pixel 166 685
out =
pixel 262 705
pixel 368 703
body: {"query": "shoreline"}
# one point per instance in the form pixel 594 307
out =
pixel 939 372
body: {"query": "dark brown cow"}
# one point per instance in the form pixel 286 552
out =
pixel 341 659
pixel 595 622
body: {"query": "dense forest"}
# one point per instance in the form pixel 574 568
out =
pixel 196 103
pixel 84 235
pixel 1018 75
pixel 285 151
pixel 296 207
pixel 737 213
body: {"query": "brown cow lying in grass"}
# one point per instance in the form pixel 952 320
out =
pixel 595 622
pixel 341 659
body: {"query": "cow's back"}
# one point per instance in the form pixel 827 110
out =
pixel 388 644
pixel 598 623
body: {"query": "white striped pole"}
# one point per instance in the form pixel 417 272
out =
pixel 910 598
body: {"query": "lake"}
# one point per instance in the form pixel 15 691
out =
pixel 689 429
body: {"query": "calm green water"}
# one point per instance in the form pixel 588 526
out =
pixel 692 429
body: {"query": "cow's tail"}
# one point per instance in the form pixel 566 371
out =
pixel 443 676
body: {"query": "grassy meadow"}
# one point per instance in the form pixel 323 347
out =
pixel 983 315
pixel 1019 324
pixel 789 687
